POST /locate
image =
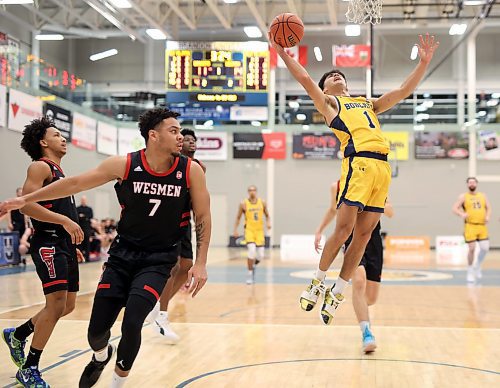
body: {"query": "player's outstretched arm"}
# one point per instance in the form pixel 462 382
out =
pixel 197 275
pixel 111 168
pixel 321 101
pixel 426 50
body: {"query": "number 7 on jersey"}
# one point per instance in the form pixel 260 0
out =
pixel 156 204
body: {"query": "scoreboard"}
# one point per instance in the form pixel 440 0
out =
pixel 217 73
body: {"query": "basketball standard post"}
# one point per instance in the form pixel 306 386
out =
pixel 271 107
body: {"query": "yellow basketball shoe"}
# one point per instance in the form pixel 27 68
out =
pixel 310 296
pixel 330 305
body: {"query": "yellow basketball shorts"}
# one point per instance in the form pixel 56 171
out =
pixel 475 232
pixel 255 236
pixel 365 181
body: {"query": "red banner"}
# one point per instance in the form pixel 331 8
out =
pixel 274 145
pixel 355 55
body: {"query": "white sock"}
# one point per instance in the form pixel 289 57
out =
pixel 339 286
pixel 250 272
pixel 117 381
pixel 320 275
pixel 163 314
pixel 101 355
pixel 363 325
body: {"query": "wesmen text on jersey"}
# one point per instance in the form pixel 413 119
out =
pixel 155 207
pixel 65 206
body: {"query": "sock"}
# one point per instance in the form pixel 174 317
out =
pixel 24 331
pixel 250 272
pixel 363 325
pixel 163 314
pixel 117 381
pixel 320 275
pixel 33 358
pixel 480 257
pixel 339 286
pixel 101 355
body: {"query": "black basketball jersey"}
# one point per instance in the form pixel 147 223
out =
pixel 65 206
pixel 155 207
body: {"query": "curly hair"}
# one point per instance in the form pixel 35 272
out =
pixel 321 82
pixel 189 132
pixel 151 118
pixel 32 134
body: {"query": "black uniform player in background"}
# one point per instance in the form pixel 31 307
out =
pixel 159 316
pixel 155 187
pixel 85 215
pixel 52 249
pixel 17 220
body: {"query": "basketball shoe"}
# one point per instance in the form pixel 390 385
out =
pixel 94 369
pixel 162 325
pixel 369 343
pixel 16 347
pixel 31 378
pixel 310 295
pixel 251 277
pixel 330 305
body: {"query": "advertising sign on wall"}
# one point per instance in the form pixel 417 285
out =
pixel 61 117
pixel 22 109
pixel 488 144
pixel 259 145
pixel 323 146
pixel 107 138
pixel 84 132
pixel 211 146
pixel 129 140
pixel 3 106
pixel 400 145
pixel 441 145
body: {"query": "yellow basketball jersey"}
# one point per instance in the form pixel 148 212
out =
pixel 475 207
pixel 254 214
pixel 357 127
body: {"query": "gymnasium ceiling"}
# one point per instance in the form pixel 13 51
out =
pixel 220 20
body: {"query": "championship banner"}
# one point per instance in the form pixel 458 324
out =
pixel 23 108
pixel 61 117
pixel 488 144
pixel 3 106
pixel 399 143
pixel 211 146
pixel 84 132
pixel 317 146
pixel 259 145
pixel 130 140
pixel 354 55
pixel 441 145
pixel 107 138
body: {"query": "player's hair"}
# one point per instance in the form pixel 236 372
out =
pixel 321 82
pixel 32 134
pixel 471 177
pixel 252 186
pixel 188 132
pixel 151 118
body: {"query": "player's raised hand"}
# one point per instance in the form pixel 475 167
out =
pixel 11 204
pixel 427 47
pixel 197 277
pixel 280 50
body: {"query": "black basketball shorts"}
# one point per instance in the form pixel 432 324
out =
pixel 55 262
pixel 373 257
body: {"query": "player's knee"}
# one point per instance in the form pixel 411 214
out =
pixel 70 306
pixel 131 325
pixel 57 305
pixel 358 283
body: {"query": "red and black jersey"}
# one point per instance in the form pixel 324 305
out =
pixel 65 206
pixel 155 207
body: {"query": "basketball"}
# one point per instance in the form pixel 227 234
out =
pixel 287 30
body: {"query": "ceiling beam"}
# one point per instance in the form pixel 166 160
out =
pixel 292 7
pixel 21 22
pixel 217 12
pixel 256 14
pixel 332 12
pixel 174 6
pixel 75 14
pixel 149 19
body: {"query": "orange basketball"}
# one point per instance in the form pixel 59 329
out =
pixel 287 29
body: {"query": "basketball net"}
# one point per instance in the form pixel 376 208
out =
pixel 364 11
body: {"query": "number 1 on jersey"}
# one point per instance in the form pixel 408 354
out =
pixel 370 122
pixel 156 204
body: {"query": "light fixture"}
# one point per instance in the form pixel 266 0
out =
pixel 104 54
pixel 414 52
pixel 352 30
pixel 317 54
pixel 7 2
pixel 121 3
pixel 495 95
pixel 482 113
pixel 253 31
pixel 301 116
pixel 422 116
pixel 419 127
pixel 293 104
pixel 493 102
pixel 230 1
pixel 428 103
pixel 256 123
pixel 156 34
pixel 305 127
pixel 457 29
pixel 49 37
pixel 474 2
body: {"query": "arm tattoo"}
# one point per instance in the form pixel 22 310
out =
pixel 200 234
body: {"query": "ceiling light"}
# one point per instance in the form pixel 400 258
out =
pixel 301 116
pixel 493 102
pixel 317 53
pixel 7 2
pixel 422 116
pixel 49 37
pixel 414 52
pixel 253 31
pixel 104 54
pixel 457 29
pixel 230 1
pixel 419 127
pixel 474 2
pixel 428 103
pixel 495 95
pixel 293 104
pixel 305 127
pixel 156 34
pixel 256 123
pixel 121 3
pixel 352 30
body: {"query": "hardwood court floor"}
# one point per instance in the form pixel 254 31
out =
pixel 432 331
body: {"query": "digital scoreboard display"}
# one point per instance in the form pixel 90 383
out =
pixel 217 73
